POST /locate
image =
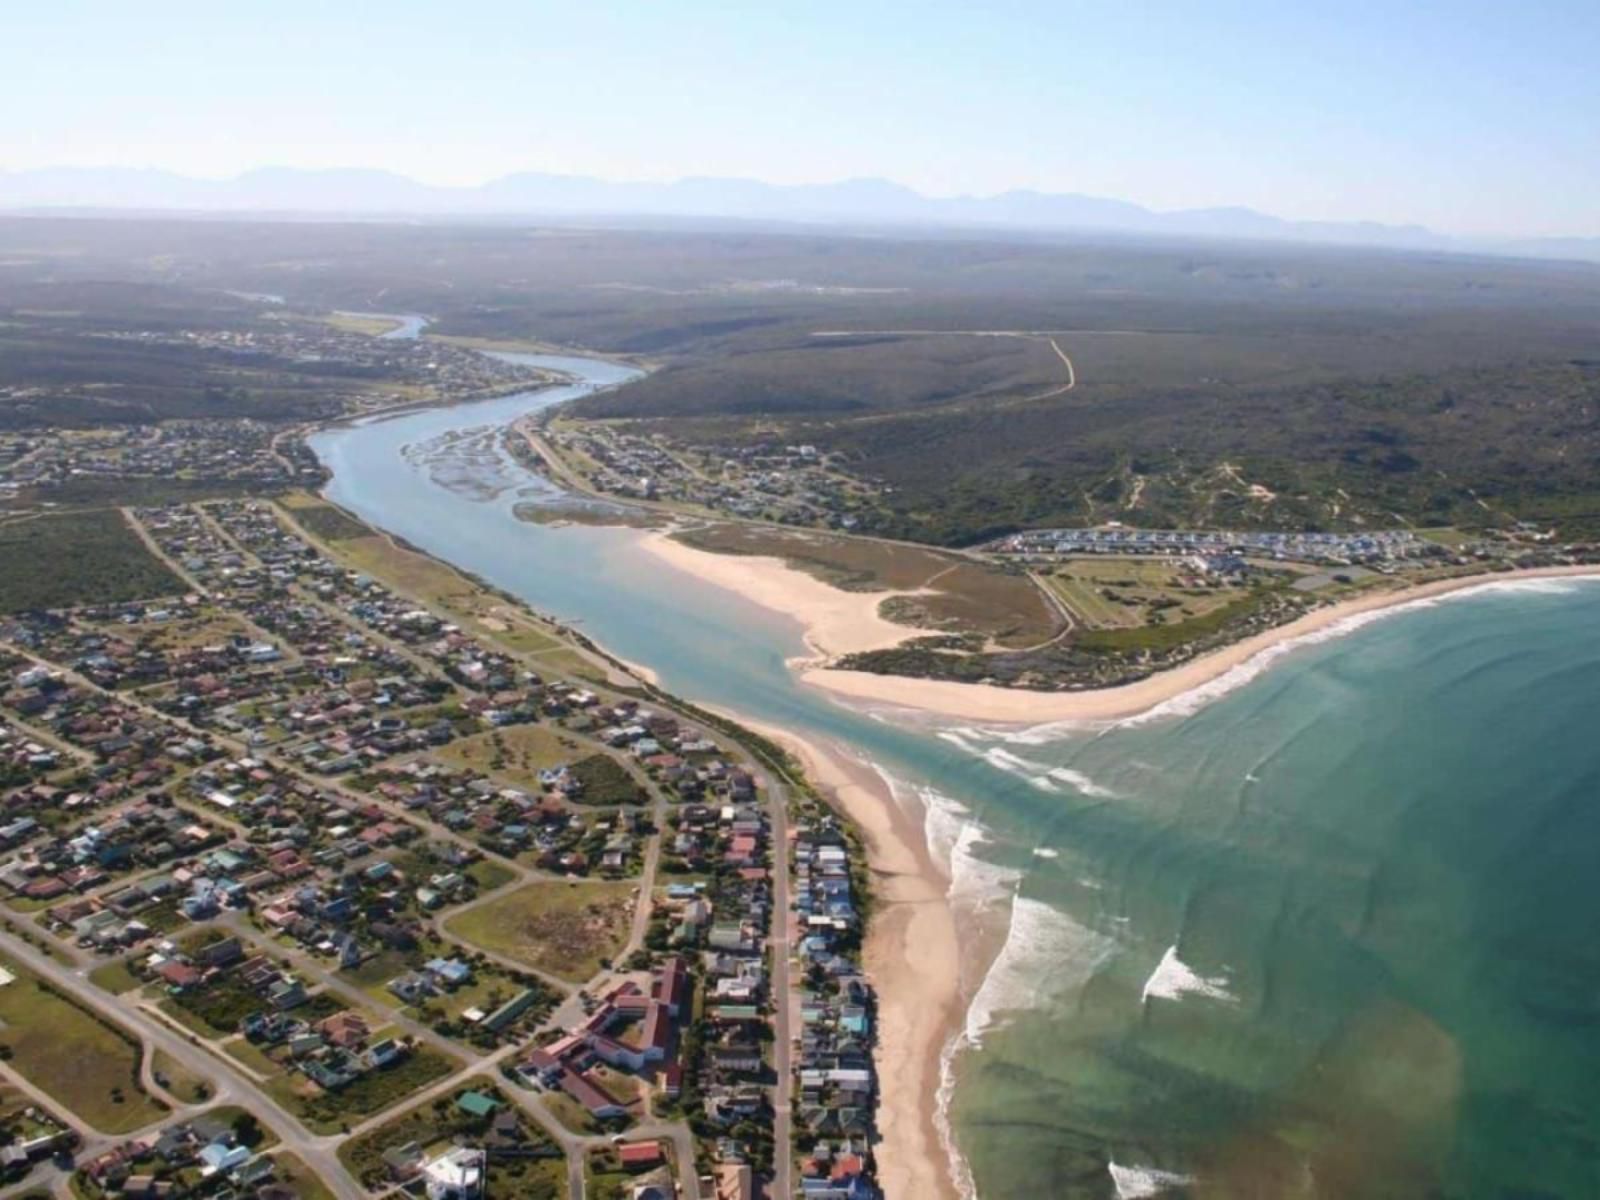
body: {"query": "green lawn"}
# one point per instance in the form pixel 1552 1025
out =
pixel 488 874
pixel 182 1083
pixel 89 1066
pixel 572 1114
pixel 562 928
pixel 301 1178
pixel 114 977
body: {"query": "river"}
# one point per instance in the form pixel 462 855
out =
pixel 1326 934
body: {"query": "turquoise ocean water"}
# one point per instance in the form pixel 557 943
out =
pixel 1331 932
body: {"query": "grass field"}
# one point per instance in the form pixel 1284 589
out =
pixel 182 1083
pixel 89 557
pixel 86 1064
pixel 565 929
pixel 516 753
pixel 328 522
pixel 355 323
pixel 114 977
pixel 1125 593
pixel 571 1114
pixel 606 781
pixel 307 1185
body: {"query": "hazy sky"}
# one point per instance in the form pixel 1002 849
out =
pixel 1467 117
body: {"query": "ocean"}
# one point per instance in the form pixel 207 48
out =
pixel 1324 929
pixel 1328 934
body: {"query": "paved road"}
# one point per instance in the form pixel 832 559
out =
pixel 783 998
pixel 316 1152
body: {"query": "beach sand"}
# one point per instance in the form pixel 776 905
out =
pixel 981 702
pixel 836 622
pixel 915 954
pixel 914 959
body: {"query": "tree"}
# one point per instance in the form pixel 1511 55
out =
pixel 247 1129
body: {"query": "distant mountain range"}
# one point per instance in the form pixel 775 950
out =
pixel 875 202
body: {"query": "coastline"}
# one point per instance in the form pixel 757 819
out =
pixel 912 955
pixel 837 622
pixel 984 702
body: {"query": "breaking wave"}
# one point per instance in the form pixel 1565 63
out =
pixel 1040 775
pixel 1140 1183
pixel 1174 979
pixel 1046 954
pixel 1192 701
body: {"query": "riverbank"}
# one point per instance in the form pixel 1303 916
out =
pixel 835 622
pixel 914 958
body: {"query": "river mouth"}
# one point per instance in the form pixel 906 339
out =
pixel 1341 906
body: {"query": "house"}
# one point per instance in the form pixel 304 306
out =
pixel 403 1162
pixel 640 1156
pixel 457 1174
pixel 476 1104
pixel 599 1105
pixel 219 1157
pixel 385 1053
pixel 347 1030
pixel 179 976
pixel 734 1181
pixel 449 972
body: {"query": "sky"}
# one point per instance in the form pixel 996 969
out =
pixel 1467 117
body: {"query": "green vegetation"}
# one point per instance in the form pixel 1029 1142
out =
pixel 114 976
pixel 328 522
pixel 432 1126
pixel 328 1112
pixel 606 781
pixel 180 1082
pixel 218 1008
pixel 76 558
pixel 1121 593
pixel 516 753
pixel 306 1183
pixel 564 929
pixel 88 1065
pixel 1157 638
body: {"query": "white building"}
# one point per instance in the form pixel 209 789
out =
pixel 456 1175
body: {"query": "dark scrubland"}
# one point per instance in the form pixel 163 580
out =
pixel 73 558
pixel 1243 384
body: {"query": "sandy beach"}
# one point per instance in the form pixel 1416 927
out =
pixel 914 959
pixel 979 702
pixel 836 622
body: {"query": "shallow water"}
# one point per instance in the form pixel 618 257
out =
pixel 1327 934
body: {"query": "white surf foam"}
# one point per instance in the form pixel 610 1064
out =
pixel 1173 979
pixel 1046 954
pixel 1192 701
pixel 1081 782
pixel 1140 1183
pixel 953 837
